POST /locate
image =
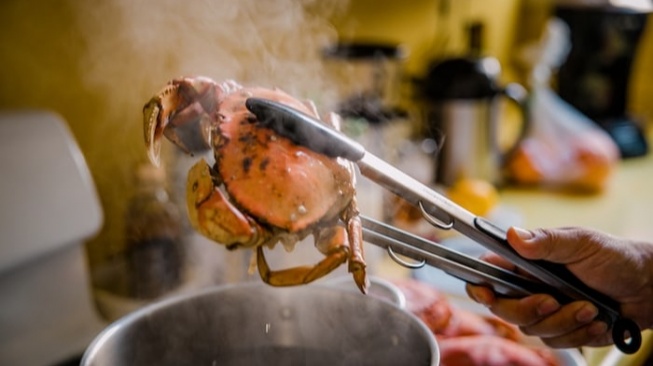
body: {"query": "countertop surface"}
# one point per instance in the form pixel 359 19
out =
pixel 624 208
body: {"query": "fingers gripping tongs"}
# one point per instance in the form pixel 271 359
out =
pixel 555 278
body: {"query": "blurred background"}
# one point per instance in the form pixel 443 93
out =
pixel 398 70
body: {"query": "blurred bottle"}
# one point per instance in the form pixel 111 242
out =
pixel 154 234
pixel 461 111
pixel 151 262
pixel 369 79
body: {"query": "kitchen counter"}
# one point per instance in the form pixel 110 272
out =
pixel 624 208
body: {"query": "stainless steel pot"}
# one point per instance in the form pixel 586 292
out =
pixel 254 324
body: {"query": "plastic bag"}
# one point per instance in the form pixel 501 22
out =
pixel 564 148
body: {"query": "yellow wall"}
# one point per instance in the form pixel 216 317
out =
pixel 641 91
pixel 429 30
pixel 40 57
pixel 43 67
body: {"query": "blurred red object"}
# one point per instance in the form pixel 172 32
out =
pixel 466 338
pixel 427 303
pixel 491 351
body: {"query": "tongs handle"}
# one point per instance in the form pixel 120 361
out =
pixel 307 131
pixel 454 263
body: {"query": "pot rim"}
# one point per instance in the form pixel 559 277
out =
pixel 105 335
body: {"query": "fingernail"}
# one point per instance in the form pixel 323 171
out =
pixel 597 328
pixel 547 306
pixel 586 314
pixel 523 234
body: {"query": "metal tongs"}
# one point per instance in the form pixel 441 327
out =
pixel 443 213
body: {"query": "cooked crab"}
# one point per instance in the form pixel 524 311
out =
pixel 262 189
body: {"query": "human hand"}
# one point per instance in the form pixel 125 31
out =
pixel 619 268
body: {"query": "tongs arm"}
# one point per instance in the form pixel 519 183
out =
pixel 307 131
pixel 454 263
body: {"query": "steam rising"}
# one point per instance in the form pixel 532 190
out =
pixel 137 46
pixel 133 48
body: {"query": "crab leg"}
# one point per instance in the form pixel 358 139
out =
pixel 332 242
pixel 355 237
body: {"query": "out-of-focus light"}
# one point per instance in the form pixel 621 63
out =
pixel 633 5
pixel 638 5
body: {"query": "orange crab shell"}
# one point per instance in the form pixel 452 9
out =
pixel 271 178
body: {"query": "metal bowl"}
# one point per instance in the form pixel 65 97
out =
pixel 254 324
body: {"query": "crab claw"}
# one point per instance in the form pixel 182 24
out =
pixel 183 112
pixel 153 130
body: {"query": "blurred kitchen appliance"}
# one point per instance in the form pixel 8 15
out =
pixel 155 237
pixel 368 76
pixel 48 207
pixel 596 76
pixel 460 106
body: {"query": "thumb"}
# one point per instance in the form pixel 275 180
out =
pixel 555 245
